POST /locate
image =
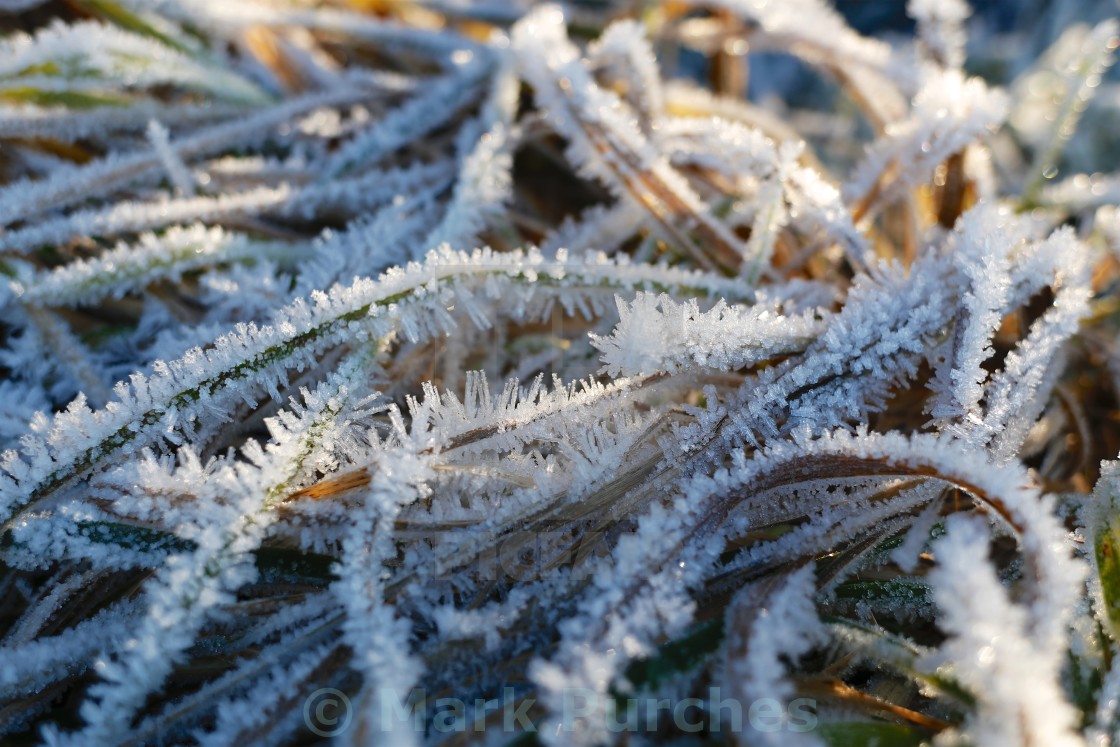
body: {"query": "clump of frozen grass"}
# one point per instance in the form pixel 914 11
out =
pixel 443 375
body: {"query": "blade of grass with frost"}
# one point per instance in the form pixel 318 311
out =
pixel 626 608
pixel 50 92
pixel 874 511
pixel 128 268
pixel 605 141
pixel 815 23
pixel 149 408
pixel 1090 54
pixel 981 247
pixel 1055 582
pixel 1100 518
pixel 816 32
pixel 737 152
pixel 1106 719
pixel 359 194
pixel 941 32
pixel 18 405
pixel 71 125
pixel 262 680
pixel 226 20
pixel 770 218
pixel 1082 192
pixel 27 198
pixel 481 424
pixel 1005 489
pixel 724 146
pixel 372 189
pixel 907 554
pixel 299 643
pixel 440 100
pixel 177 171
pixel 767 621
pixel 389 237
pixel 742 155
pixel 514 417
pixel 949 112
pixel 38 383
pixel 635 598
pixel 380 639
pixel 600 228
pixel 991 650
pixel 143 23
pixel 686 100
pixel 33 665
pixel 815 200
pixel 134 217
pixel 745 449
pixel 91 52
pixel 623 51
pixel 1053 573
pixel 622 613
pixel 242 499
pixel 656 334
pixel 1017 407
pixel 71 356
pixel 876 645
pixel 888 326
pixel 271 708
pixel 485 149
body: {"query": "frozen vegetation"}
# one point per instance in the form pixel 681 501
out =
pixel 448 372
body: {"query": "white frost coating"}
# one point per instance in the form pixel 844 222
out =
pixel 358 194
pixel 25 666
pixel 655 334
pixel 941 30
pixel 100 53
pixel 372 627
pixel 814 21
pixel 70 125
pixel 1084 191
pixel 626 52
pixel 485 174
pixel 604 137
pixel 980 250
pixel 129 267
pixel 949 112
pixel 780 623
pixel 133 217
pixel 1049 99
pixel 625 611
pixel 176 170
pixel 906 555
pixel 441 100
pixel 991 649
